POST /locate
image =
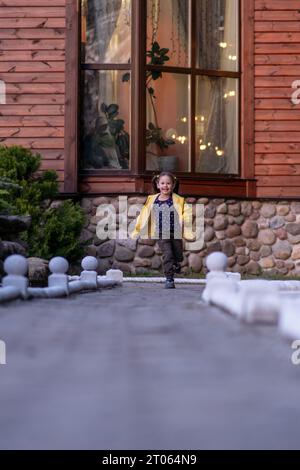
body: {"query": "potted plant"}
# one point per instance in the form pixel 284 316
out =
pixel 154 135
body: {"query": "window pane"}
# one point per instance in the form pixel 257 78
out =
pixel 105 120
pixel 217 34
pixel 168 123
pixel 216 125
pixel 168 24
pixel 106 31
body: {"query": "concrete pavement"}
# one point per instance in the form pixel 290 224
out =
pixel 140 367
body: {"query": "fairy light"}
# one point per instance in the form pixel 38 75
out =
pixel 184 119
pixel 229 94
pixel 209 144
pixel 223 45
pixel 202 147
pixel 220 153
pixel 202 118
pixel 181 139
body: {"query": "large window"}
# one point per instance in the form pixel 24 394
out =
pixel 190 86
pixel 105 97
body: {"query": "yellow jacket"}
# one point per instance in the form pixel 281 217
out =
pixel 184 214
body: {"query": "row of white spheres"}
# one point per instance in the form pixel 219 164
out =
pixel 18 265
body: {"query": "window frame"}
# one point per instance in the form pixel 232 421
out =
pixel 137 178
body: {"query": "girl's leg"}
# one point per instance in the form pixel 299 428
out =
pixel 177 246
pixel 168 258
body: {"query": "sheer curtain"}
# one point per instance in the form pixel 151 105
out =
pixel 217 96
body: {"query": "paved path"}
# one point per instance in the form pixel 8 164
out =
pixel 140 367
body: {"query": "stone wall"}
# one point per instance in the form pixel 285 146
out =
pixel 256 235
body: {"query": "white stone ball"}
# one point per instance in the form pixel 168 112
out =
pixel 16 264
pixel 217 261
pixel 58 265
pixel 89 263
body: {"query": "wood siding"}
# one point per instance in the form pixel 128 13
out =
pixel 32 64
pixel 277 119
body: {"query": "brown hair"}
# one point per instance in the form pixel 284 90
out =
pixel 156 179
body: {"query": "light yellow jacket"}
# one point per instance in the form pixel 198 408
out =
pixel 184 214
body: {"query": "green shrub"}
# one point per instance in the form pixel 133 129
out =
pixel 58 232
pixel 53 231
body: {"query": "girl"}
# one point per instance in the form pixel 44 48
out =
pixel 162 218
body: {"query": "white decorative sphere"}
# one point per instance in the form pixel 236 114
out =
pixel 58 265
pixel 216 261
pixel 16 264
pixel 89 263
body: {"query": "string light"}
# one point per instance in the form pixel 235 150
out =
pixel 223 45
pixel 219 152
pixel 230 93
pixel 184 119
pixel 181 139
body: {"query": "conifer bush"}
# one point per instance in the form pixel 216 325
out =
pixel 25 190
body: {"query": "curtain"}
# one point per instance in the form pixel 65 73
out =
pixel 216 25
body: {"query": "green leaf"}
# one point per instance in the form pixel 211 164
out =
pixel 112 110
pixel 155 74
pixel 126 77
pixel 155 46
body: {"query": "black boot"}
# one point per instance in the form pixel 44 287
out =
pixel 169 284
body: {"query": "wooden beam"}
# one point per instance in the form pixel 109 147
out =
pixel 71 97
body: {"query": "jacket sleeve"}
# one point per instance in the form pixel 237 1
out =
pixel 140 222
pixel 187 222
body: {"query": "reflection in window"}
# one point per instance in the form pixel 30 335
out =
pixel 168 122
pixel 168 25
pixel 106 31
pixel 217 34
pixel 216 125
pixel 105 120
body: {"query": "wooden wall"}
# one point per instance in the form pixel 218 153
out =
pixel 32 63
pixel 277 119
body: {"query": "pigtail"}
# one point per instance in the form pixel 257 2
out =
pixel 154 182
pixel 176 186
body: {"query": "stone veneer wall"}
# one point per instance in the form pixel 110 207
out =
pixel 256 235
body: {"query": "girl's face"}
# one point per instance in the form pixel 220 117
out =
pixel 165 185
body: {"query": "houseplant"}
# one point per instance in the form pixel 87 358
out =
pixel 154 135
